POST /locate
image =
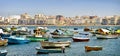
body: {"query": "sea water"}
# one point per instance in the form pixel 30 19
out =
pixel 111 47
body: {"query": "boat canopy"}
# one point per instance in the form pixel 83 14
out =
pixel 105 30
pixel 40 28
pixel 64 32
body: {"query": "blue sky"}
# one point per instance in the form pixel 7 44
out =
pixel 60 7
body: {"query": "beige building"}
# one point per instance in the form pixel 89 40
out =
pixel 51 21
pixel 13 20
pixel 25 16
pixel 40 16
pixel 60 20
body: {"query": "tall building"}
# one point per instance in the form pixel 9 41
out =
pixel 104 22
pixel 40 22
pixel 23 21
pixel 2 20
pixel 60 20
pixel 25 16
pixel 40 16
pixel 31 21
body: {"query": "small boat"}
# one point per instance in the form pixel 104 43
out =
pixel 39 35
pixel 102 31
pixel 5 35
pixel 3 42
pixel 21 31
pixel 75 28
pixel 62 36
pixel 17 40
pixel 93 48
pixel 62 32
pixel 46 51
pixel 46 44
pixel 87 29
pixel 3 52
pixel 107 36
pixel 80 38
pixel 33 38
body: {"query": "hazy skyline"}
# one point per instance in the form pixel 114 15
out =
pixel 60 7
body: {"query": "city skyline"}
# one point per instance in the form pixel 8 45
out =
pixel 60 7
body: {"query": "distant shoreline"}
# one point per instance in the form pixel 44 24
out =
pixel 59 25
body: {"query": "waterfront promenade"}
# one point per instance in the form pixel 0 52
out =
pixel 59 25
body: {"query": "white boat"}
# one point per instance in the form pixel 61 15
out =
pixel 107 36
pixel 81 38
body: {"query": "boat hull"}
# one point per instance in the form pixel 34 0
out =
pixel 80 39
pixel 62 36
pixel 45 51
pixel 93 48
pixel 37 39
pixel 46 44
pixel 17 41
pixel 107 36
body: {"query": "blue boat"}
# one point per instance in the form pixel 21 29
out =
pixel 3 52
pixel 17 40
pixel 75 28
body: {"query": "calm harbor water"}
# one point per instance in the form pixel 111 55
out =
pixel 111 47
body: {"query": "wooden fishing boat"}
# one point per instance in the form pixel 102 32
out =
pixel 21 31
pixel 62 33
pixel 17 40
pixel 33 38
pixel 93 48
pixel 46 44
pixel 39 35
pixel 4 34
pixel 3 42
pixel 80 38
pixel 46 51
pixel 107 36
pixel 3 52
pixel 87 29
pixel 75 28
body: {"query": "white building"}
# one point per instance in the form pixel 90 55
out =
pixel 13 20
pixel 2 20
